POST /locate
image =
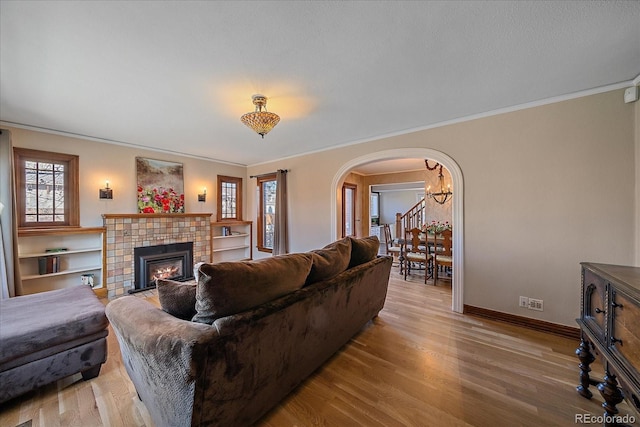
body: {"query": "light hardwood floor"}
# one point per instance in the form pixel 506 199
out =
pixel 417 364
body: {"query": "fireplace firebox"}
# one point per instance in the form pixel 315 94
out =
pixel 172 261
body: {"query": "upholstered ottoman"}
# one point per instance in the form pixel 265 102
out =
pixel 48 336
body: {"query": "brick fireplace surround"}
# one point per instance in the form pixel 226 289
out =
pixel 128 231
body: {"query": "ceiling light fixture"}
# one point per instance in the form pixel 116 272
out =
pixel 444 194
pixel 260 121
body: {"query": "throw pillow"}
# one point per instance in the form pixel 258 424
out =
pixel 363 250
pixel 176 298
pixel 228 288
pixel 329 261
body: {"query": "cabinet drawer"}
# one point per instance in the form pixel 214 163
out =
pixel 624 328
pixel 593 310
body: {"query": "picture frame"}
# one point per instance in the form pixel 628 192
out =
pixel 160 186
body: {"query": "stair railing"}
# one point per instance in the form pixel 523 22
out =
pixel 413 218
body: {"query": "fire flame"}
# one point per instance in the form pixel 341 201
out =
pixel 165 273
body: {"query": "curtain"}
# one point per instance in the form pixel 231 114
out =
pixel 5 292
pixel 280 229
pixel 10 283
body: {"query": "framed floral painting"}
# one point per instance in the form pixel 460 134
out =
pixel 160 186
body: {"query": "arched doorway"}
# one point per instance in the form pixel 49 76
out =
pixel 457 285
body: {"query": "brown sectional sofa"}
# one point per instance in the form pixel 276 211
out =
pixel 229 367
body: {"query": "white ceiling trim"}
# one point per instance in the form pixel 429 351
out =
pixel 387 173
pixel 111 141
pixel 404 186
pixel 505 110
pixel 532 104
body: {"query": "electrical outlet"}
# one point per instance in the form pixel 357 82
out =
pixel 524 302
pixel 535 304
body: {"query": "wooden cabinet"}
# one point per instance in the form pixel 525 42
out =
pixel 77 251
pixel 231 241
pixel 609 322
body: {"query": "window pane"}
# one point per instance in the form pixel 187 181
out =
pixel 59 198
pixel 229 192
pixel 44 192
pixel 349 209
pixel 269 206
pixel 45 178
pixel 349 213
pixel 31 202
pixel 31 176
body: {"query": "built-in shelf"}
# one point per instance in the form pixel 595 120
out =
pixel 232 236
pixel 62 273
pixel 84 255
pixel 74 251
pixel 231 241
pixel 231 248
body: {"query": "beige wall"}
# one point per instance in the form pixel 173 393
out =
pixel 116 163
pixel 545 188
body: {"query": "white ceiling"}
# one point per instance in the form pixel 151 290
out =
pixel 177 76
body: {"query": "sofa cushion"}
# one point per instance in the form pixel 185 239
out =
pixel 363 250
pixel 177 298
pixel 329 261
pixel 232 287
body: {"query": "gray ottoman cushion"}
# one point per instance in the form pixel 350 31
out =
pixel 48 336
pixel 35 326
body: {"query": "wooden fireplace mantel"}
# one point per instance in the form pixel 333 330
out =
pixel 157 215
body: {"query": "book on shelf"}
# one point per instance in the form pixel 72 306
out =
pixel 48 264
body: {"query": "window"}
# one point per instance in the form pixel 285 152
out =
pixel 229 198
pixel 348 209
pixel 374 208
pixel 46 188
pixel 266 211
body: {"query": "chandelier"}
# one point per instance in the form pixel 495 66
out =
pixel 260 121
pixel 442 196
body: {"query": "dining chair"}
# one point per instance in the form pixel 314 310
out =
pixel 442 253
pixel 392 248
pixel 415 255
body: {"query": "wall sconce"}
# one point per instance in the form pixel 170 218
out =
pixel 203 197
pixel 106 193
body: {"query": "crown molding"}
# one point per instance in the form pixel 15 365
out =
pixel 532 104
pixel 113 142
